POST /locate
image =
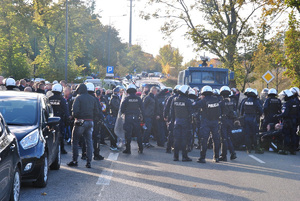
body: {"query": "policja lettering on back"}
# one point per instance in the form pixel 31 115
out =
pixel 181 110
pixel 209 123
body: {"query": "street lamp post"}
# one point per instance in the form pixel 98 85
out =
pixel 66 57
pixel 130 24
pixel 109 37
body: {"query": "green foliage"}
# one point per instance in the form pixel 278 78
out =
pixel 292 44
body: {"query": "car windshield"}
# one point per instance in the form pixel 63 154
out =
pixel 18 112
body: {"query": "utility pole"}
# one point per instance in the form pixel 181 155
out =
pixel 66 58
pixel 130 25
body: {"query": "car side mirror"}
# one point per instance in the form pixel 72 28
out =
pixel 52 121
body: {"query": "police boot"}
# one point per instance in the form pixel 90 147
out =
pixel 216 160
pixel 176 156
pixel 201 160
pixel 185 157
pixel 96 148
pixel 140 150
pixel 127 150
pixel 223 158
pixel 233 156
pixel 283 152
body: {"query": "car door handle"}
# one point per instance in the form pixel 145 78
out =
pixel 12 147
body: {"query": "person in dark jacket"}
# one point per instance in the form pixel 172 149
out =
pixel 150 105
pixel 114 105
pixel 22 85
pixel 272 106
pixel 168 119
pixel 60 110
pixel 252 110
pixel 132 108
pixel 85 109
pixel 96 129
pixel 181 111
pixel 209 123
pixel 161 124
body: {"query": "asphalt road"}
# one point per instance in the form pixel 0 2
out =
pixel 154 176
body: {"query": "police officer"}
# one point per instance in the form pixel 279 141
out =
pixel 168 119
pixel 296 92
pixel 251 109
pixel 96 129
pixel 247 90
pixel 10 84
pixel 272 106
pixel 263 95
pixel 209 122
pixel 114 105
pixel 289 115
pixel 132 108
pixel 60 109
pixel 181 111
pixel 228 111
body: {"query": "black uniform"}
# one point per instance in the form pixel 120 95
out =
pixel 132 107
pixel 60 109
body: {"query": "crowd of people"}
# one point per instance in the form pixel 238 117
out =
pixel 171 118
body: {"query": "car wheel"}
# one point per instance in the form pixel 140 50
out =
pixel 56 164
pixel 16 186
pixel 42 180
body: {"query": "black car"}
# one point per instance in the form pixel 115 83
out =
pixel 30 117
pixel 10 164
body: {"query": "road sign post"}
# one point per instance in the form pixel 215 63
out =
pixel 268 77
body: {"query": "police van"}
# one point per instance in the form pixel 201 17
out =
pixel 205 75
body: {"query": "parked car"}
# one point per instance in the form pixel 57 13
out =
pixel 30 117
pixel 10 164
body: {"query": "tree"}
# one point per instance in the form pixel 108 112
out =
pixel 14 42
pixel 292 44
pixel 226 23
pixel 171 56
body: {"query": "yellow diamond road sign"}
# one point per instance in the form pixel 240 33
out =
pixel 268 76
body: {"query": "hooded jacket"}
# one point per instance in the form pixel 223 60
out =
pixel 84 106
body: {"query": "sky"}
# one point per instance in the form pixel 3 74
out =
pixel 144 33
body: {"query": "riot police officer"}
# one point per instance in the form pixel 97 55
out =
pixel 209 122
pixel 168 119
pixel 132 108
pixel 60 109
pixel 272 106
pixel 289 115
pixel 10 84
pixel 228 111
pixel 181 111
pixel 96 129
pixel 251 109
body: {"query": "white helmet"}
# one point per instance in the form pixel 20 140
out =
pixel 295 90
pixel 55 82
pixel 206 90
pixel 286 92
pixel 265 91
pixel 131 88
pixel 192 91
pixel 177 87
pixel 247 91
pixel 225 90
pixel 184 89
pixel 57 88
pixel 196 88
pixel 253 92
pixel 272 92
pixel 90 86
pixel 10 82
pixel 216 92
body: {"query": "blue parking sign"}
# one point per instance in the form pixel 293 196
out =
pixel 110 69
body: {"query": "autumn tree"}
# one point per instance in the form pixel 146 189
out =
pixel 292 52
pixel 225 23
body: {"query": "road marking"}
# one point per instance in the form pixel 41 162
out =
pixel 113 156
pixel 257 159
pixel 105 177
